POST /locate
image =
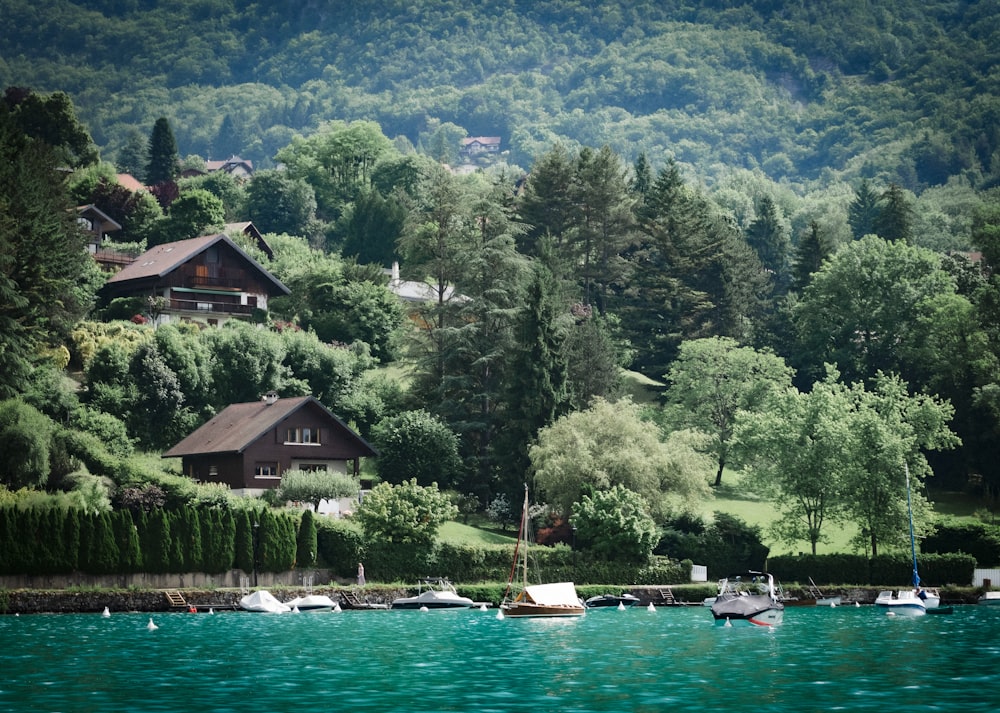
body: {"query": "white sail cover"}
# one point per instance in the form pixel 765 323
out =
pixel 555 594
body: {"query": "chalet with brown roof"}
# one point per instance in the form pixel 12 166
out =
pixel 249 446
pixel 208 279
pixel 237 167
pixel 250 230
pixel 475 145
pixel 127 180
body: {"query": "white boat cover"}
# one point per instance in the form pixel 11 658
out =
pixel 263 601
pixel 555 594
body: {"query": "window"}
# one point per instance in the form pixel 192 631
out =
pixel 302 435
pixel 313 467
pixel 265 470
pixel 213 471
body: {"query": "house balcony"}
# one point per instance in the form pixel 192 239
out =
pixel 203 304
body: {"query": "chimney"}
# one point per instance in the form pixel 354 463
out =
pixel 270 397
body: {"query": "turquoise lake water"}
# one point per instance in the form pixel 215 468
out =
pixel 673 659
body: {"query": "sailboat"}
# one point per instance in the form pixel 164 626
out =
pixel 558 599
pixel 906 602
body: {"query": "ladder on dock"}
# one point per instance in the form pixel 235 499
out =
pixel 175 598
pixel 667 597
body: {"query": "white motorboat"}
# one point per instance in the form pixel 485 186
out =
pixel 312 603
pixel 990 598
pixel 264 602
pixel 901 602
pixel 748 598
pixel 433 593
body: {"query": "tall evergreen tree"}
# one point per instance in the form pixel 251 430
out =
pixel 604 228
pixel 163 160
pixel 537 389
pixel 809 257
pixel 895 216
pixel 767 236
pixel 46 276
pixel 863 210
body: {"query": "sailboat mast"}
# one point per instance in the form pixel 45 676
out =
pixel 913 543
pixel 524 526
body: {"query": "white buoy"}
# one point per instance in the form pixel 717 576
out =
pixel 651 607
pixel 728 623
pixel 424 609
pixel 336 607
pixel 482 607
pixel 151 626
pixel 295 610
pixel 890 613
pixel 857 604
pixel 211 610
pixel 500 614
pixel 621 606
pixel 833 604
pixel 106 612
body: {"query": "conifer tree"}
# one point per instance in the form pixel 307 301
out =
pixel 767 236
pixel 163 161
pixel 863 211
pixel 306 545
pixel 538 391
pixel 895 216
pixel 809 257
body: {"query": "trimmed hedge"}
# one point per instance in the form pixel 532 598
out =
pixel 884 570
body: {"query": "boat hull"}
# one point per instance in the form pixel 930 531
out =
pixel 903 602
pixel 990 599
pixel 530 609
pixel 433 599
pixel 312 603
pixel 756 610
pixel 263 602
pixel 612 600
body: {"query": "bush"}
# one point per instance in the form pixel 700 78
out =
pixel 340 544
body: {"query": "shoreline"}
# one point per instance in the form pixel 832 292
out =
pixel 54 601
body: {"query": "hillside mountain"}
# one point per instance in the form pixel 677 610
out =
pixel 896 90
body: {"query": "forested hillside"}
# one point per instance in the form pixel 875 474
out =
pixel 900 91
pixel 785 216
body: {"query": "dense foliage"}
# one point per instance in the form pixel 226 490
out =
pixel 776 190
pixel 898 89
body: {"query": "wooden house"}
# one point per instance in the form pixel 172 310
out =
pixel 209 279
pixel 250 446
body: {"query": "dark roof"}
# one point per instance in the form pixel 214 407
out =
pixel 163 259
pixel 238 426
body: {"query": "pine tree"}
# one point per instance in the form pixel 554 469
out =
pixel 895 217
pixel 767 236
pixel 163 164
pixel 809 257
pixel 538 389
pixel 45 284
pixel 863 211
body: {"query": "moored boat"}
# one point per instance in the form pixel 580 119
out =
pixel 906 602
pixel 901 602
pixel 433 593
pixel 312 603
pixel 558 599
pixel 612 600
pixel 748 598
pixel 263 601
pixel 990 598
